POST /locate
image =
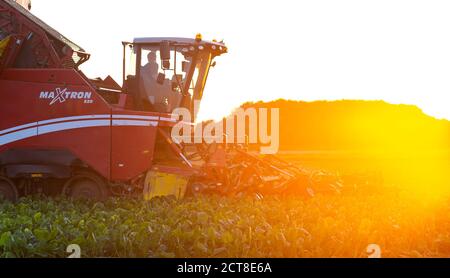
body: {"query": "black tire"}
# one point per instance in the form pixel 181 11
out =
pixel 86 186
pixel 8 190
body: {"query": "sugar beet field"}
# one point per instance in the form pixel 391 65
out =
pixel 401 220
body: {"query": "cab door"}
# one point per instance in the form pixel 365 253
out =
pixel 133 136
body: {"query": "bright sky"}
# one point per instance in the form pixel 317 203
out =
pixel 394 50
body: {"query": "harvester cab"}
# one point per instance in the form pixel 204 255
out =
pixel 162 74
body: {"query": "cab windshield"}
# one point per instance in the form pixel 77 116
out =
pixel 169 87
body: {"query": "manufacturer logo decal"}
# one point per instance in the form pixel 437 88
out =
pixel 62 95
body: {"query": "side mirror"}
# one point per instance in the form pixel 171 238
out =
pixel 161 78
pixel 164 52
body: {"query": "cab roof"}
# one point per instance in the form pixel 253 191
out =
pixel 152 40
pixel 218 47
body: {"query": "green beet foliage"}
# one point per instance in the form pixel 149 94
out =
pixel 325 226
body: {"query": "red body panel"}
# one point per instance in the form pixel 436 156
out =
pixel 23 105
pixel 133 143
pixel 58 109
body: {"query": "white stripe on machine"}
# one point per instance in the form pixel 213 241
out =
pixel 71 125
pixel 133 123
pixel 75 118
pixel 25 131
pixel 18 135
pixel 150 118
